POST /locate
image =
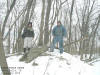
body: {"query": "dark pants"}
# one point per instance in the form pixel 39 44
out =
pixel 57 39
pixel 26 49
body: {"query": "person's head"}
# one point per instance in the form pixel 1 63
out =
pixel 58 23
pixel 29 24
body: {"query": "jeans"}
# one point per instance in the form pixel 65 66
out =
pixel 57 39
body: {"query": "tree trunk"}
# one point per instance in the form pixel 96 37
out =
pixel 42 24
pixel 7 16
pixel 46 29
pixel 93 39
pixel 8 51
pixel 3 63
pixel 71 13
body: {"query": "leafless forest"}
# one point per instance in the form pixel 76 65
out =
pixel 80 17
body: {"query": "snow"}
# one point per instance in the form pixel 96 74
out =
pixel 0 71
pixel 53 64
pixel 96 66
pixel 69 66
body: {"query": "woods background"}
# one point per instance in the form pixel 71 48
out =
pixel 80 17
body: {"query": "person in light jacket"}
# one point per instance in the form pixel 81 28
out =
pixel 59 32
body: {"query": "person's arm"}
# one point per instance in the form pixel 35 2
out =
pixel 33 33
pixel 23 34
pixel 64 32
pixel 53 31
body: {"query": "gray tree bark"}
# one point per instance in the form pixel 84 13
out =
pixel 93 38
pixel 7 16
pixel 46 29
pixel 70 30
pixel 3 62
pixel 42 24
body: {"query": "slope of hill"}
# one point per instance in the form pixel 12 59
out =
pixel 50 64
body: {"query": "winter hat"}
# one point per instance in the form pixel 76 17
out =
pixel 30 23
pixel 59 22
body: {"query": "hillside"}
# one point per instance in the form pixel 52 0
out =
pixel 50 64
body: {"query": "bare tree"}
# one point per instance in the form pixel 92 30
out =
pixel 42 24
pixel 46 29
pixel 70 28
pixel 85 28
pixel 3 62
pixel 7 16
pixel 94 36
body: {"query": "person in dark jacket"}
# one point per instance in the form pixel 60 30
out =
pixel 59 32
pixel 28 35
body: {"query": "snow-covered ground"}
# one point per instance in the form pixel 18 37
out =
pixel 0 71
pixel 96 65
pixel 53 64
pixel 97 68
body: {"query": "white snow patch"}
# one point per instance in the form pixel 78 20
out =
pixel 56 64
